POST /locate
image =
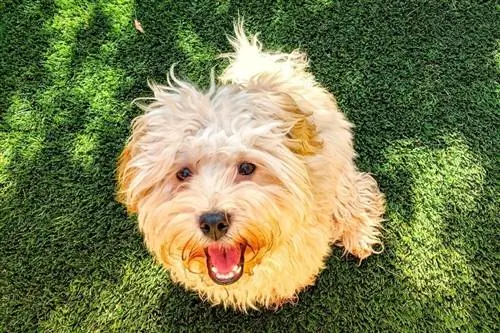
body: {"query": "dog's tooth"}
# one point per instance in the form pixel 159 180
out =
pixel 214 269
pixel 235 268
pixel 222 276
pixel 238 270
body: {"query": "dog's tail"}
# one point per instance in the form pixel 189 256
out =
pixel 248 60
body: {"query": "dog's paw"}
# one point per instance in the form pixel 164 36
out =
pixel 363 250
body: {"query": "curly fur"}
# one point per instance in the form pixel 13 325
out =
pixel 305 195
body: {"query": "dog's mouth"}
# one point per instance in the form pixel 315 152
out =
pixel 225 264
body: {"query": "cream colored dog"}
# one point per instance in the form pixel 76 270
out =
pixel 242 190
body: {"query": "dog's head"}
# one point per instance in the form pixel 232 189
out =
pixel 218 179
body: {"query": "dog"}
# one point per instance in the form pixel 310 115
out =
pixel 241 190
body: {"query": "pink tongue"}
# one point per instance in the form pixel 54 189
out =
pixel 224 259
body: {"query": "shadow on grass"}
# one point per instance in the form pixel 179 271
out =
pixel 417 80
pixel 62 126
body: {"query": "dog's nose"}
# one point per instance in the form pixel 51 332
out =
pixel 214 224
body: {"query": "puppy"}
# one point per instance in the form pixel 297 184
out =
pixel 241 191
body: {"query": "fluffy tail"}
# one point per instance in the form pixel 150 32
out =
pixel 248 61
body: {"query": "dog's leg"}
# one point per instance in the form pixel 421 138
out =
pixel 358 213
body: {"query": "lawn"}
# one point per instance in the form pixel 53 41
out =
pixel 418 78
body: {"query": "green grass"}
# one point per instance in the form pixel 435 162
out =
pixel 418 78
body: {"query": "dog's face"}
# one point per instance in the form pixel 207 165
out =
pixel 218 179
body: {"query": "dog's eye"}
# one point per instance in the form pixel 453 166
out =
pixel 183 173
pixel 246 168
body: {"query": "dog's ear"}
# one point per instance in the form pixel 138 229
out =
pixel 302 137
pixel 125 174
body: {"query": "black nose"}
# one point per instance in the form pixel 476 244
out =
pixel 214 224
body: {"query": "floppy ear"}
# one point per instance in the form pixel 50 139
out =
pixel 302 137
pixel 130 189
pixel 125 175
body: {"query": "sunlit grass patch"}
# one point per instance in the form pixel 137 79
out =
pixel 113 305
pixel 199 54
pixel 432 245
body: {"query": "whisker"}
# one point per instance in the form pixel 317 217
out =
pixel 187 245
pixel 230 238
pixel 247 243
pixel 226 215
pixel 254 236
pixel 279 229
pixel 270 245
pixel 254 251
pixel 172 243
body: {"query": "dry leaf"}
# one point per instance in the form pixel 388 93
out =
pixel 138 26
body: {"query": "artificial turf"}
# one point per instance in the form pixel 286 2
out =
pixel 418 78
